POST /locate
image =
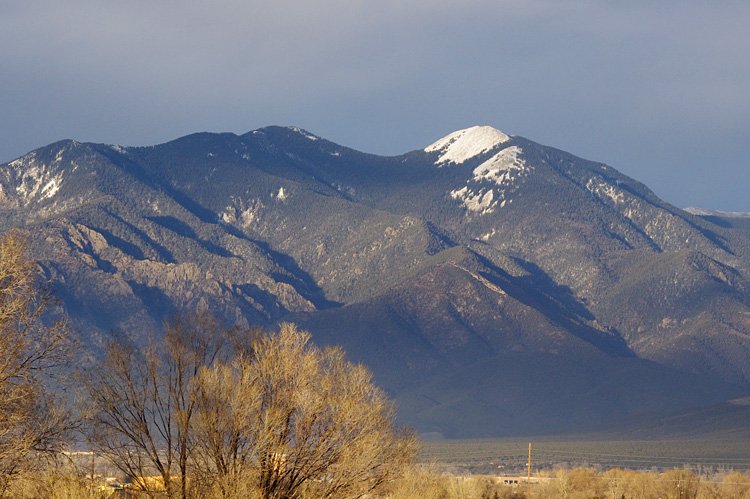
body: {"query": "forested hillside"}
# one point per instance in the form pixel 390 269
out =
pixel 494 286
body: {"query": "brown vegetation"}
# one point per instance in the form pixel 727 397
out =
pixel 144 401
pixel 297 421
pixel 237 414
pixel 587 483
pixel 32 420
pixel 428 483
pixel 577 483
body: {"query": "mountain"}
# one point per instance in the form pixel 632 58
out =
pixel 495 286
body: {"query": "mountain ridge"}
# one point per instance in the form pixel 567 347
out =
pixel 483 249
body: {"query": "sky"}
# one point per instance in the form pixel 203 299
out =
pixel 657 90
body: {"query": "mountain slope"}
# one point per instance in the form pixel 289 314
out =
pixel 494 285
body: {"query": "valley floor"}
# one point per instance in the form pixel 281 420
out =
pixel 507 457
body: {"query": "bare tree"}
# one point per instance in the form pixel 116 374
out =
pixel 223 457
pixel 277 418
pixel 144 400
pixel 295 420
pixel 32 421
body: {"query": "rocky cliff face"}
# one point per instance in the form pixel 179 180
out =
pixel 494 285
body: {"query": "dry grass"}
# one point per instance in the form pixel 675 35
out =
pixel 427 482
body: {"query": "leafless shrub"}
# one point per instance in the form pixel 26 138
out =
pixel 144 400
pixel 32 420
pixel 294 421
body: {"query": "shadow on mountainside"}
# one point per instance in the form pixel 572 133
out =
pixel 558 303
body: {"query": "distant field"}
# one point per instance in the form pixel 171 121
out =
pixel 709 439
pixel 509 456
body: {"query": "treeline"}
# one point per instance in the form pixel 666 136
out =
pixel 201 411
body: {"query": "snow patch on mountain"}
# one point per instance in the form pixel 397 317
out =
pixel 304 133
pixel 242 212
pixel 51 187
pixel 502 171
pixel 486 236
pixel 35 180
pixel 716 213
pixel 481 202
pixel 503 167
pixel 23 161
pixel 605 191
pixel 463 145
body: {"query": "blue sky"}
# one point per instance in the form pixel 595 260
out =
pixel 658 90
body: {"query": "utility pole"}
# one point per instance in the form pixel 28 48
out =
pixel 93 455
pixel 528 477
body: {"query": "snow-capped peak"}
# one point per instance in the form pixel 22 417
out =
pixel 465 144
pixel 304 133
